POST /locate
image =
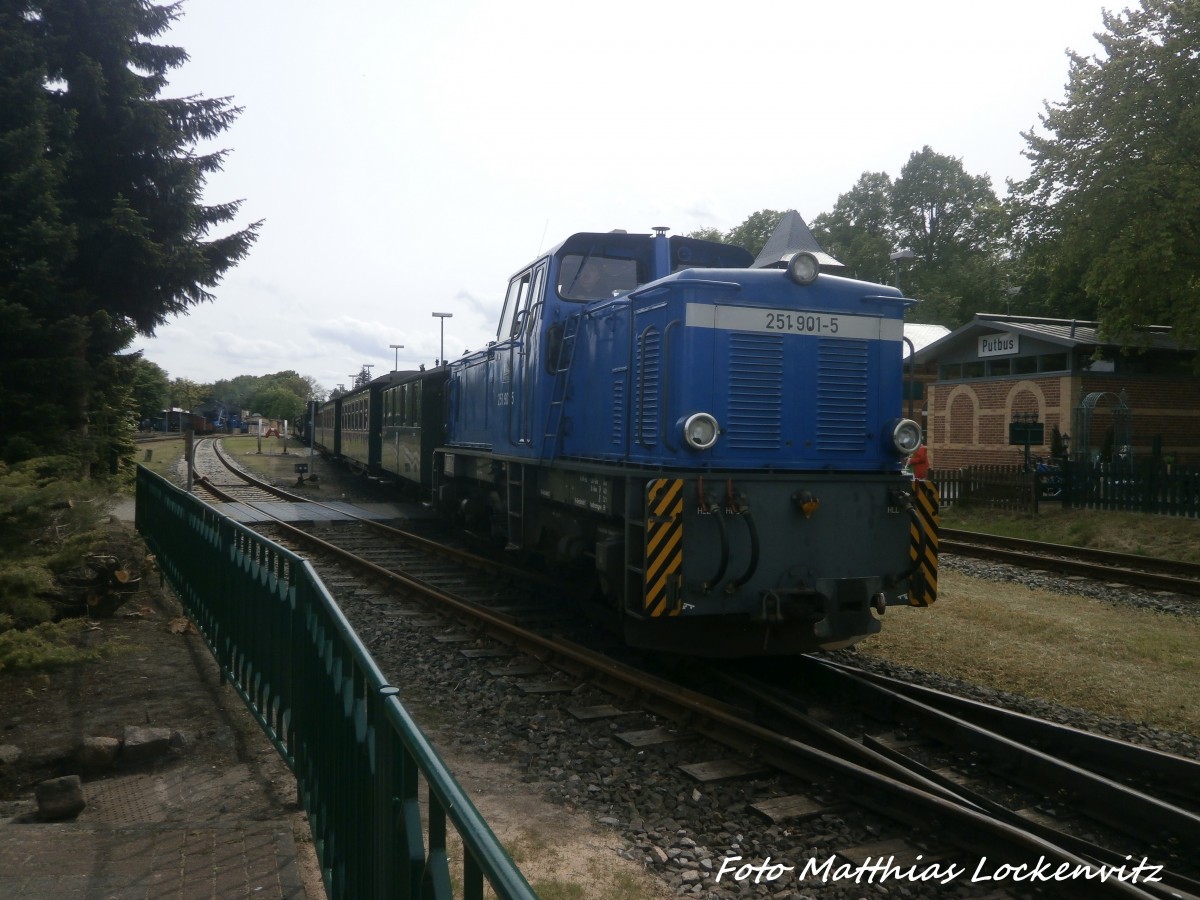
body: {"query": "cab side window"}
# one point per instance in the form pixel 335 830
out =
pixel 518 290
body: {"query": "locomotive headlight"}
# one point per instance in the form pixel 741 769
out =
pixel 906 436
pixel 700 430
pixel 803 268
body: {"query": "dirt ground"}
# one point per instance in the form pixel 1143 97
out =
pixel 158 673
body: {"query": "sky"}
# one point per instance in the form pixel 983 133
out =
pixel 407 158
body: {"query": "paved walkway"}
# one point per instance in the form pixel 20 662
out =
pixel 212 819
pixel 98 862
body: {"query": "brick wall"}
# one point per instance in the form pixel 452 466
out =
pixel 967 422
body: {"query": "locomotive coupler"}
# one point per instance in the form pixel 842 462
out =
pixel 785 604
pixel 772 608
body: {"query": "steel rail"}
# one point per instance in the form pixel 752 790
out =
pixel 887 760
pixel 1100 753
pixel 1140 571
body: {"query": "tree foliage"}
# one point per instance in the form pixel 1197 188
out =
pixel 151 389
pixel 1109 217
pixel 949 220
pixel 957 226
pixel 285 391
pixel 859 232
pixel 753 233
pixel 277 402
pixel 103 232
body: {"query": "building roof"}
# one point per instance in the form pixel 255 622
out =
pixel 922 335
pixel 1065 332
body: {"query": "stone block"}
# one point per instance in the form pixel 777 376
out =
pixel 144 745
pixel 60 798
pixel 99 753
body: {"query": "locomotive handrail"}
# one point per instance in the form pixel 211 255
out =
pixel 652 289
pixel 525 432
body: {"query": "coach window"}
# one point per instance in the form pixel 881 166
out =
pixel 518 288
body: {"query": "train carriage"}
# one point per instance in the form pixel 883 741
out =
pixel 411 425
pixel 325 428
pixel 358 430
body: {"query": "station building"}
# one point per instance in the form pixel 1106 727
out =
pixel 999 381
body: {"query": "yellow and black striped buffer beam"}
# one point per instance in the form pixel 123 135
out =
pixel 664 547
pixel 923 543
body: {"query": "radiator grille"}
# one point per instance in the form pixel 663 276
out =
pixel 618 412
pixel 649 382
pixel 755 391
pixel 842 386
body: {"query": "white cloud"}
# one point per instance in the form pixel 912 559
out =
pixel 410 157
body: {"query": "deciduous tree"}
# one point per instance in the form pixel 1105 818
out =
pixel 1109 217
pixel 859 232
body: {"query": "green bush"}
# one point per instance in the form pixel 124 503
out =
pixel 23 587
pixel 43 502
pixel 49 521
pixel 45 646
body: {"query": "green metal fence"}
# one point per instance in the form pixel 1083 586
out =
pixel 358 758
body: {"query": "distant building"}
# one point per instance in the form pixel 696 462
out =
pixel 1105 401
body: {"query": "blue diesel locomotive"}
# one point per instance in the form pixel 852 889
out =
pixel 717 446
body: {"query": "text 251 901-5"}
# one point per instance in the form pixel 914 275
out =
pixel 802 324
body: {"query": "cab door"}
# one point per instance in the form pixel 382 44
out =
pixel 527 384
pixel 513 360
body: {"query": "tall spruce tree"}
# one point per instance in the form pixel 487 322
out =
pixel 107 235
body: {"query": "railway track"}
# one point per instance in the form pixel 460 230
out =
pixel 1102 800
pixel 921 817
pixel 901 799
pixel 1130 569
pixel 216 477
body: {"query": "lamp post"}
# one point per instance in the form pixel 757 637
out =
pixel 442 349
pixel 896 257
pixel 397 348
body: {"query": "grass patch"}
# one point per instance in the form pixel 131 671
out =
pixel 1138 665
pixel 163 455
pixel 1169 537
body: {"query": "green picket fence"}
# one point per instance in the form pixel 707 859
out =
pixel 358 758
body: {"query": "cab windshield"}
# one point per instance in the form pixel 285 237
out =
pixel 589 277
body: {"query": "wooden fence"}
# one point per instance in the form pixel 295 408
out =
pixel 1008 488
pixel 1173 492
pixel 1149 489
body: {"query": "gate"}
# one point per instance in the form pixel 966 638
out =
pixel 1121 449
